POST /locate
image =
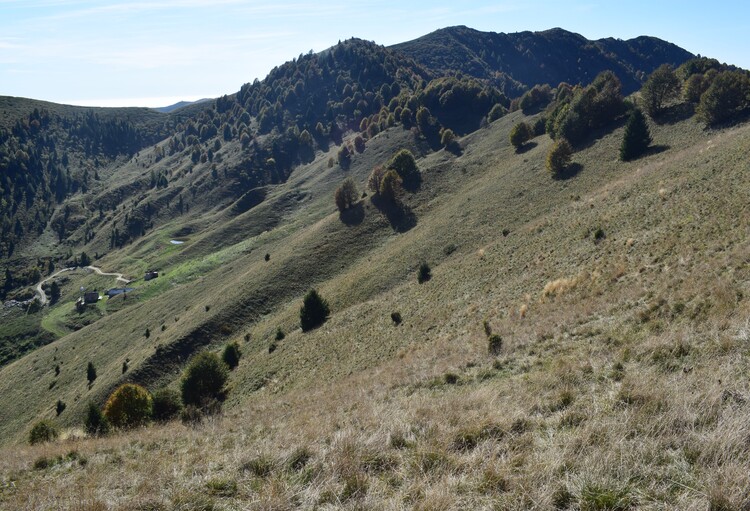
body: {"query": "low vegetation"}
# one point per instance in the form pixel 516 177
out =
pixel 569 352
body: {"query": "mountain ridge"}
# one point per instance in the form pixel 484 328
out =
pixel 495 56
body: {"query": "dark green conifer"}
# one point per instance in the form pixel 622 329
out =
pixel 637 137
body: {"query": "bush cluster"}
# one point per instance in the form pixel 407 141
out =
pixel 43 431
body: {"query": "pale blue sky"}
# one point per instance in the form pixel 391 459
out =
pixel 157 52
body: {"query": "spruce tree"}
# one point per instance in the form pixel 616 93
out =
pixel 314 311
pixel 637 137
pixel 91 373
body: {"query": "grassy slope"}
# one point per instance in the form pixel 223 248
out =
pixel 622 376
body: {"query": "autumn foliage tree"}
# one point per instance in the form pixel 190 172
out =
pixel 559 157
pixel 129 406
pixel 376 177
pixel 346 195
pixel 520 134
pixel 390 186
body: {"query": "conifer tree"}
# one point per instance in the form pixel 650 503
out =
pixel 91 373
pixel 314 311
pixel 637 137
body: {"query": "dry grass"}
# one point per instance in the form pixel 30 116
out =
pixel 624 387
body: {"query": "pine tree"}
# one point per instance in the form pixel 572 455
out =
pixel 314 311
pixel 91 373
pixel 637 137
pixel 96 423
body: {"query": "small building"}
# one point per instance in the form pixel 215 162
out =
pixel 152 274
pixel 91 297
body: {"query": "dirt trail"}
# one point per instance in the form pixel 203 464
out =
pixel 43 297
pixel 118 276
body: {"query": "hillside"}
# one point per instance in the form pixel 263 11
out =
pixel 581 344
pixel 613 349
pixel 517 62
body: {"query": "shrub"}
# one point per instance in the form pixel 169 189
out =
pixel 203 379
pixel 191 415
pixel 346 195
pixel 231 355
pixel 43 431
pixel 280 334
pixel 520 134
pixel 314 311
pixel 424 273
pixel 96 423
pixel 637 137
pixel 559 157
pixel 60 407
pixel 660 88
pixel 494 344
pixel 129 406
pixel 167 404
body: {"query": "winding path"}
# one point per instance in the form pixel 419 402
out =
pixel 43 297
pixel 118 276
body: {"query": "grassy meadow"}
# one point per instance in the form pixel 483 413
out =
pixel 620 294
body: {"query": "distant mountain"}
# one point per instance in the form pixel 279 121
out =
pixel 518 61
pixel 62 168
pixel 180 104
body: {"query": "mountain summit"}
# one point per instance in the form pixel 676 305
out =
pixel 517 61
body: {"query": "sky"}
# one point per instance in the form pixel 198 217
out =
pixel 157 52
